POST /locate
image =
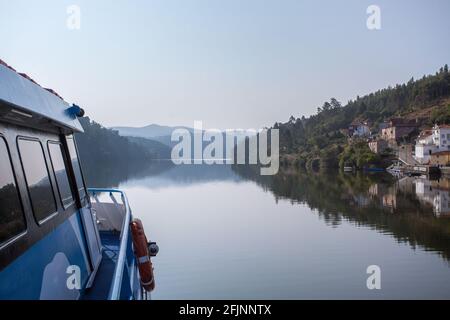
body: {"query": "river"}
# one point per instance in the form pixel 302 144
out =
pixel 227 233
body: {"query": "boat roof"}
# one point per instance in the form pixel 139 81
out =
pixel 24 102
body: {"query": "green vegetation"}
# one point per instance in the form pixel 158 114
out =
pixel 320 139
pixel 358 155
pixel 441 116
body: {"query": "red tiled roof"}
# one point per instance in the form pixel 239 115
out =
pixel 24 75
pixel 401 122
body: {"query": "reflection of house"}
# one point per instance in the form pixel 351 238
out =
pixel 390 200
pixel 384 195
pixel 442 204
pixel 398 128
pixel 359 128
pixel 374 190
pixel 433 141
pixel 377 146
pixel 431 192
pixel 361 200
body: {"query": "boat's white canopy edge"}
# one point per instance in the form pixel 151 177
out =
pixel 28 96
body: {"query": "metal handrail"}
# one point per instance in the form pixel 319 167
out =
pixel 114 292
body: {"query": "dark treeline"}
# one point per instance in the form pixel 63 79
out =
pixel 319 137
pixel 11 214
pixel 100 148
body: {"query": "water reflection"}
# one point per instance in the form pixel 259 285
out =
pixel 415 210
pixel 108 176
pixel 158 174
pixel 222 230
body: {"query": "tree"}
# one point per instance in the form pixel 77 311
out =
pixel 326 106
pixel 335 104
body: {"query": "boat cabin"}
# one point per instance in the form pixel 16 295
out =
pixel 57 239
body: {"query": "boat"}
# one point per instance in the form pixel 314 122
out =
pixel 58 238
pixel 373 169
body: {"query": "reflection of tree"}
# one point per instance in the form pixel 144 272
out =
pixel 42 198
pixel 107 175
pixel 64 186
pixel 11 215
pixel 363 200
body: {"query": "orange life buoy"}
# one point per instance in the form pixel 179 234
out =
pixel 142 255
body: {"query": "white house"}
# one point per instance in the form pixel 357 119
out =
pixel 361 129
pixel 424 146
pixel 432 141
pixel 441 137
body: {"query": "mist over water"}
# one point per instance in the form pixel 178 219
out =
pixel 227 232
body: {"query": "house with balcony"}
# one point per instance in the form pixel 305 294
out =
pixel 435 141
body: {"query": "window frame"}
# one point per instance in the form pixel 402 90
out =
pixel 54 214
pixel 85 199
pixel 14 238
pixel 58 143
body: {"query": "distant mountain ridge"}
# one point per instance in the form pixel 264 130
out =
pixel 151 131
pixel 98 144
pixel 159 133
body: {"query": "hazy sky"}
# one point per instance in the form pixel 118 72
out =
pixel 229 63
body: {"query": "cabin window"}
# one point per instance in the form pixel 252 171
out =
pixel 12 221
pixel 76 167
pixel 60 172
pixel 37 178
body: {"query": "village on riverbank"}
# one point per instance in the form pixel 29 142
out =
pixel 404 129
pixel 413 147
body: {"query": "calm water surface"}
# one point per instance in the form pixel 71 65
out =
pixel 230 234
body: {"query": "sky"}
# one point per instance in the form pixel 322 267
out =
pixel 228 63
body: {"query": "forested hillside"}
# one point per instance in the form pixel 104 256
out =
pixel 319 138
pixel 101 145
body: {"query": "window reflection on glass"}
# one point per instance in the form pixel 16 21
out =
pixel 59 168
pixel 76 166
pixel 37 178
pixel 12 221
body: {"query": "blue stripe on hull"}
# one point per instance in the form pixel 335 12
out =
pixel 42 271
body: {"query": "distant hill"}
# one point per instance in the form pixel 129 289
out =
pixel 157 149
pixel 151 131
pixel 154 132
pixel 98 144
